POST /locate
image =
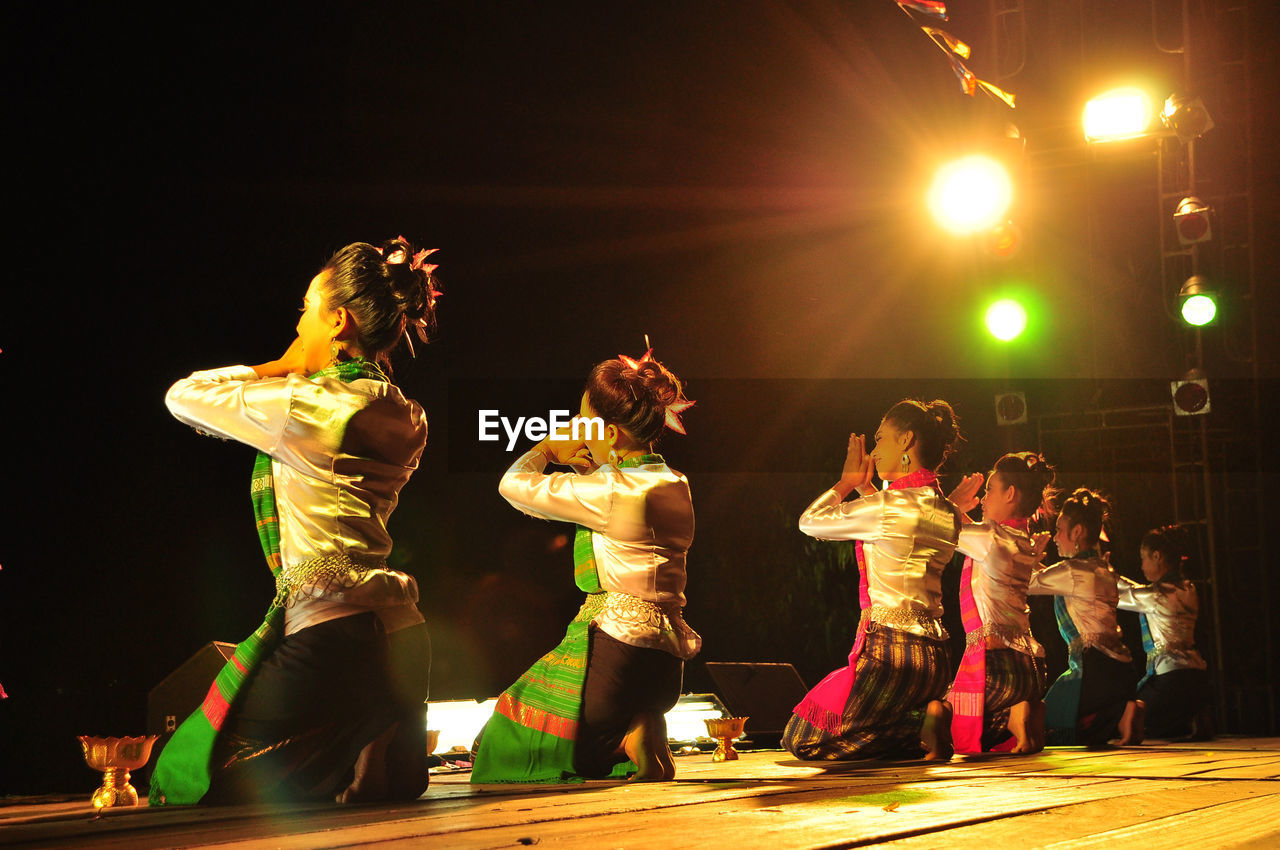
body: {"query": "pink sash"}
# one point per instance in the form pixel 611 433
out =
pixel 968 693
pixel 824 705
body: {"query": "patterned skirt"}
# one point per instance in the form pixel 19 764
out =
pixel 898 675
pixel 1012 677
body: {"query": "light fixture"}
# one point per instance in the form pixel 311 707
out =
pixel 1198 301
pixel 971 194
pixel 1186 116
pixel 1124 113
pixel 1191 221
pixel 1006 319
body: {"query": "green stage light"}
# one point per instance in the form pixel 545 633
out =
pixel 1199 310
pixel 1006 319
pixel 1199 302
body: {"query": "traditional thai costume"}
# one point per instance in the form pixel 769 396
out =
pixel 1175 687
pixel 623 655
pixel 1085 704
pixel 343 653
pixel 1003 664
pixel 899 662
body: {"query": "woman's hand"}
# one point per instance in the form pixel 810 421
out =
pixel 290 363
pixel 572 453
pixel 965 495
pixel 858 470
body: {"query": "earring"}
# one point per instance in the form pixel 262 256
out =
pixel 335 351
pixel 613 456
pixel 906 461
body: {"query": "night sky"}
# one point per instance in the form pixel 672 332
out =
pixel 742 181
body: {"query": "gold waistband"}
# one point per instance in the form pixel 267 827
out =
pixel 322 575
pixel 905 618
pixel 1009 633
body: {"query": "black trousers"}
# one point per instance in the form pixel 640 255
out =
pixel 1107 686
pixel 1173 699
pixel 622 682
pixel 324 693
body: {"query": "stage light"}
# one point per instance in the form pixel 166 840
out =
pixel 971 195
pixel 1186 116
pixel 1006 319
pixel 1191 221
pixel 1199 304
pixel 1120 114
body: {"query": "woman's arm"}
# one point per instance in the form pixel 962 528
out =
pixel 566 496
pixel 1136 597
pixel 1052 581
pixel 235 404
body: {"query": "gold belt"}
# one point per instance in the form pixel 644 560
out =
pixel 322 575
pixel 904 618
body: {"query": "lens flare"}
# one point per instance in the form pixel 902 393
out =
pixel 971 195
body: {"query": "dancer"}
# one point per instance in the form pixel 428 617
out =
pixel 593 706
pixel 1175 688
pixel 998 692
pixel 1093 701
pixel 326 699
pixel 889 698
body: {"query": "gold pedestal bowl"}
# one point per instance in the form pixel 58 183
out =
pixel 115 757
pixel 725 729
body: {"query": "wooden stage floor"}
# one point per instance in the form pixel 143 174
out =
pixel 1223 794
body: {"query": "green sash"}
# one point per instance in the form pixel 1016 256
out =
pixel 530 737
pixel 182 772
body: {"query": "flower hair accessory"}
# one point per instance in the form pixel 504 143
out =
pixel 671 414
pixel 417 262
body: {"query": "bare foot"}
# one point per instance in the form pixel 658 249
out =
pixel 646 745
pixel 1202 726
pixel 936 732
pixel 1026 723
pixel 1131 723
pixel 370 784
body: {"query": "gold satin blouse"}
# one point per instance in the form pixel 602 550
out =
pixel 1003 560
pixel 641 520
pixel 340 452
pixel 911 535
pixel 1171 610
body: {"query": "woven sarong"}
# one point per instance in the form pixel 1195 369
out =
pixel 898 674
pixel 968 693
pixel 532 733
pixel 182 772
pixel 824 706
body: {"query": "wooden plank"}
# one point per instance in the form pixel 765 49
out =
pixel 824 813
pixel 769 793
pixel 1094 817
pixel 1239 823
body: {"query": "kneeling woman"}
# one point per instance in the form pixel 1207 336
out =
pixel 1175 689
pixel 326 698
pixel 998 692
pixel 1093 700
pixel 595 704
pixel 889 699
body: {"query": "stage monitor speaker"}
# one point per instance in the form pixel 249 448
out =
pixel 765 692
pixel 182 691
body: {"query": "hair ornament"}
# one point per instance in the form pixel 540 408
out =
pixel 671 417
pixel 671 414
